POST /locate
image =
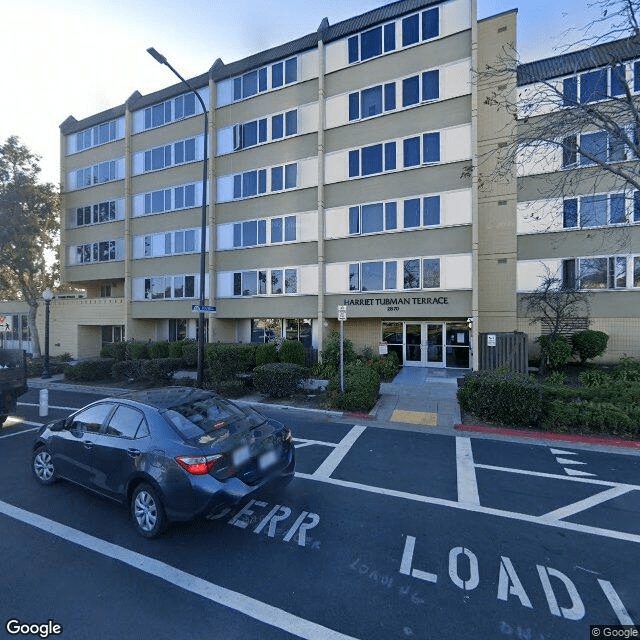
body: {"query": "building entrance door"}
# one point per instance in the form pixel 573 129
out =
pixel 424 344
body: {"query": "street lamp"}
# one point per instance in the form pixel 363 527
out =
pixel 162 60
pixel 47 296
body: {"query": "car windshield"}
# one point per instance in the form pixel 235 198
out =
pixel 207 420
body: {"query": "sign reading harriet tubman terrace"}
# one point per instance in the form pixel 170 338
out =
pixel 394 302
pixel 419 304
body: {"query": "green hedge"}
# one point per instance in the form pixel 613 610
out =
pixel 278 379
pixel 292 351
pixel 557 350
pixel 361 387
pixel 89 370
pixel 158 349
pixel 589 344
pixel 226 361
pixel 266 352
pixel 137 350
pixel 190 355
pixel 600 417
pixel 502 397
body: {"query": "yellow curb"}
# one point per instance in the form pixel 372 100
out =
pixel 427 418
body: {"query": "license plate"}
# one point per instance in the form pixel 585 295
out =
pixel 268 459
pixel 240 456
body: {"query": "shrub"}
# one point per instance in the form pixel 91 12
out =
pixel 89 370
pixel 278 379
pixel 226 361
pixel 292 351
pixel 388 366
pixel 232 388
pixel 266 352
pixel 128 370
pixel 116 350
pixel 557 350
pixel 502 397
pixel 159 371
pixel 594 416
pixel 627 370
pixel 331 354
pixel 158 349
pixel 589 344
pixel 361 387
pixel 556 378
pixel 175 348
pixel 137 350
pixel 593 378
pixel 190 355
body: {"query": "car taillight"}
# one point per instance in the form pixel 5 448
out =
pixel 197 465
pixel 288 436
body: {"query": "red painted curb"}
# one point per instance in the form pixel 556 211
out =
pixel 542 435
pixel 359 416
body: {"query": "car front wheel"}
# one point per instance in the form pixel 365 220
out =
pixel 43 467
pixel 147 512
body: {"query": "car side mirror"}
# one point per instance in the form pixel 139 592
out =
pixel 58 425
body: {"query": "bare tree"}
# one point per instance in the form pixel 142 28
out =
pixel 582 138
pixel 29 226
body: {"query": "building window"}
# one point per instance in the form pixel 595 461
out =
pixel 100 134
pixel 594 211
pixel 97 213
pixel 177 329
pixel 371 160
pixel 373 276
pixel 169 287
pixel 96 174
pixel 105 291
pixel 169 155
pixel 104 251
pixel 372 43
pixel 596 273
pixel 252 283
pixel 430 143
pixel 423 273
pixel 636 271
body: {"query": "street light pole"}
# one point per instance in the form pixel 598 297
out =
pixel 203 231
pixel 47 296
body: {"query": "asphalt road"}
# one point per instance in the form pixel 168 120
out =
pixel 384 533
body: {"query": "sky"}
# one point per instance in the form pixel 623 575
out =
pixel 79 57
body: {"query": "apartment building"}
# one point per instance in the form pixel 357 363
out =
pixel 578 213
pixel 343 170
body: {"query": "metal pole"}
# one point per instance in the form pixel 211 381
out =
pixel 203 227
pixel 45 371
pixel 342 356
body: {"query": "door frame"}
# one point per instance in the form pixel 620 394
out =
pixel 424 344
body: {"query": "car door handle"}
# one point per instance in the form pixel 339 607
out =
pixel 134 453
pixel 88 444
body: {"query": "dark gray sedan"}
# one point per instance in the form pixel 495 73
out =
pixel 170 454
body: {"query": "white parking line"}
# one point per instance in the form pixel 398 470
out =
pixel 466 472
pixel 442 502
pixel 341 449
pixel 51 406
pixel 587 503
pixel 251 607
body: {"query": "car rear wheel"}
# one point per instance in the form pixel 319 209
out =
pixel 147 512
pixel 43 467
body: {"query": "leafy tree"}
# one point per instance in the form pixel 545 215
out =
pixel 29 227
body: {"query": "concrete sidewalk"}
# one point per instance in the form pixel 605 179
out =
pixel 421 396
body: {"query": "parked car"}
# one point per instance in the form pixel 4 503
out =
pixel 170 454
pixel 13 380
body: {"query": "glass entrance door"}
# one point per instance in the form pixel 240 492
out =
pixel 413 344
pixel 435 344
pixel 424 344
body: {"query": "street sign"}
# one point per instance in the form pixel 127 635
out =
pixel 203 308
pixel 342 307
pixel 342 316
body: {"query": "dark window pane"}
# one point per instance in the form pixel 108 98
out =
pixel 237 186
pixel 372 218
pixel 262 231
pixel 262 181
pixel 290 176
pixel 354 163
pixel 262 79
pixel 593 85
pixel 411 152
pixel 371 43
pixel 431 273
pixel 593 211
pixel 431 147
pixel 291 70
pixel 237 284
pixel 616 208
pixel 570 213
pixel 276 230
pixel 390 275
pixel 618 81
pixel 636 206
pixel 569 91
pixel 636 272
pixel 389 36
pixel 353 49
pixel 431 85
pixel 276 178
pixel 276 281
pixel 636 76
pixel 410 30
pixel 354 220
pixel 411 213
pixel 262 130
pixel 291 124
pixel 568 274
pixel 430 24
pixel 390 96
pixel 250 134
pixel 431 210
pixel 411 276
pixel 277 77
pixel 354 277
pixel 391 215
pixel 617 149
pixel 593 273
pixel 249 283
pixel 250 233
pixel 189 286
pixel 262 282
pixel 372 276
pixel 249 84
pixel 593 145
pixel 354 106
pixel 371 102
pixel 389 156
pixel 291 281
pixel 372 160
pixel 249 184
pixel 410 91
pixel 277 126
pixel 289 228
